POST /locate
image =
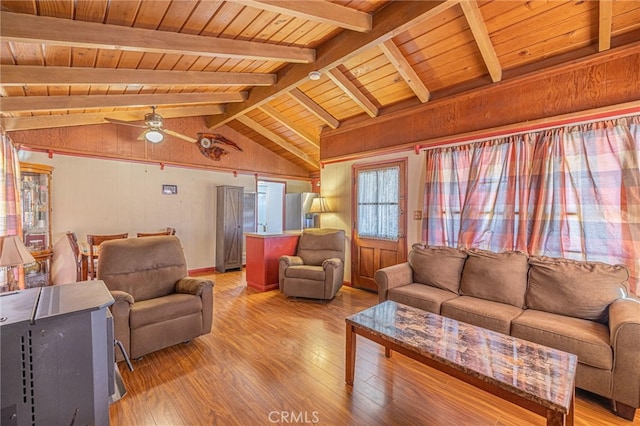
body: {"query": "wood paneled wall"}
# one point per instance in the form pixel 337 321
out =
pixel 114 141
pixel 609 79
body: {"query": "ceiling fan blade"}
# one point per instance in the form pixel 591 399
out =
pixel 124 123
pixel 179 135
pixel 141 137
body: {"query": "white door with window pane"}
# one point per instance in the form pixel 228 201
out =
pixel 379 224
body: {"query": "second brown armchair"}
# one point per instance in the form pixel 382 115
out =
pixel 317 271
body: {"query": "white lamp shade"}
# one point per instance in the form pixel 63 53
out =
pixel 319 205
pixel 154 136
pixel 13 252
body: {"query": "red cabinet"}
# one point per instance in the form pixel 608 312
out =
pixel 263 252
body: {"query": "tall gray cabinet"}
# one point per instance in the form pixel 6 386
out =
pixel 229 223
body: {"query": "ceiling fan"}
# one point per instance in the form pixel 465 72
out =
pixel 154 132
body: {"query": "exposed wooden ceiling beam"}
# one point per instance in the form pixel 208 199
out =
pixel 25 28
pixel 393 19
pixel 318 11
pixel 314 108
pixel 351 90
pixel 52 103
pixel 289 124
pixel 604 32
pixel 21 75
pixel 481 35
pixel 277 139
pixel 67 120
pixel 405 70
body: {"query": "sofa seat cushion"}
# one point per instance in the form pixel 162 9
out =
pixel 499 277
pixel 575 288
pixel 439 267
pixel 421 296
pixel 307 272
pixel 163 309
pixel 589 340
pixel 483 313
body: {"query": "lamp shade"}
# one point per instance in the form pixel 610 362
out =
pixel 154 136
pixel 319 205
pixel 13 252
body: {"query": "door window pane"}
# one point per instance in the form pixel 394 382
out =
pixel 378 203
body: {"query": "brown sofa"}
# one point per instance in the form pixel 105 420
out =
pixel 156 304
pixel 583 308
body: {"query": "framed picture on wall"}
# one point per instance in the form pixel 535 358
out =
pixel 170 189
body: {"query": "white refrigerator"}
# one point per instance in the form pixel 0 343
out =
pixel 296 211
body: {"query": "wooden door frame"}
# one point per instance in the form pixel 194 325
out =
pixel 403 162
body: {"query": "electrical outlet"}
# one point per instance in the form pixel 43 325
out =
pixel 417 215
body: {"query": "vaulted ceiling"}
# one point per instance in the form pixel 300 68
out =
pixel 247 63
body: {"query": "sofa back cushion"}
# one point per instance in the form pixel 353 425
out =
pixel 439 267
pixel 575 288
pixel 500 277
pixel 146 267
pixel 317 245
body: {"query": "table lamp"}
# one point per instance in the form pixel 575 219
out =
pixel 13 253
pixel 319 205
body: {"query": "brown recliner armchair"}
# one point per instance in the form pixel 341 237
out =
pixel 317 270
pixel 156 304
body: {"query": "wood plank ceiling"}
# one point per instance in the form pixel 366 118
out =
pixel 246 63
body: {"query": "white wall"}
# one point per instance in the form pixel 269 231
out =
pixel 95 196
pixel 337 188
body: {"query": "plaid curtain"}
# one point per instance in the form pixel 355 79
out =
pixel 9 190
pixel 569 192
pixel 9 194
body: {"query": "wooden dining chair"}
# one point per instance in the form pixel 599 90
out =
pixel 94 242
pixel 75 248
pixel 168 231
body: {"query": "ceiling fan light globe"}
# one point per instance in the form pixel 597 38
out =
pixel 154 136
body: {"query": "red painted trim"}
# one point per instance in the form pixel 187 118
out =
pixel 201 271
pixel 164 164
pixel 262 287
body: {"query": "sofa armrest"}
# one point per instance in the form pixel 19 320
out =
pixel 195 286
pixel 283 263
pixel 624 328
pixel 291 260
pixel 120 311
pixel 333 262
pixel 204 289
pixel 392 276
pixel 334 276
pixel 123 296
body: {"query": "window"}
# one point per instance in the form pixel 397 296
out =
pixel 378 203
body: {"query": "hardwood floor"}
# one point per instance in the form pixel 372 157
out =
pixel 272 360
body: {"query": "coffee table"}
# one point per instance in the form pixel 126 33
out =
pixel 535 377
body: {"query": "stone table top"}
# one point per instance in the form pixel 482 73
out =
pixel 535 372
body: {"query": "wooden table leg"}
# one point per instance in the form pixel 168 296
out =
pixel 571 414
pixel 387 352
pixel 555 418
pixel 350 362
